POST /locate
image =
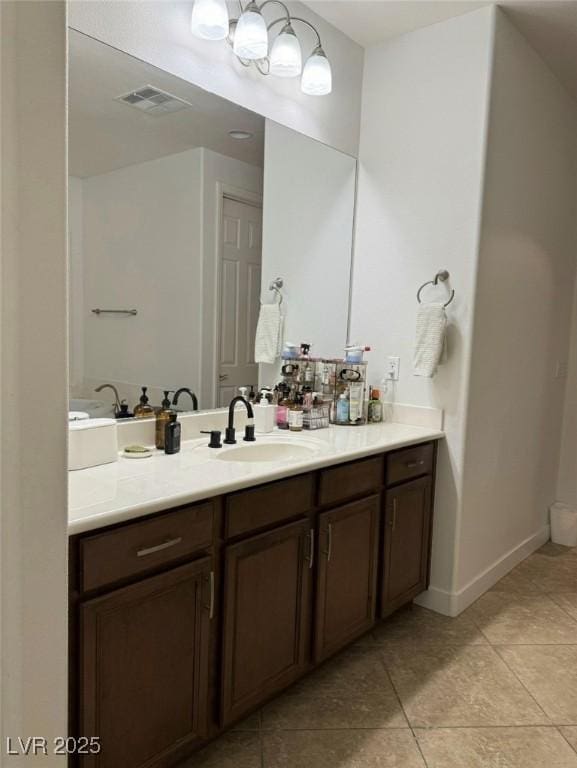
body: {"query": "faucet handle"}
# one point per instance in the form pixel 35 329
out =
pixel 214 437
pixel 249 433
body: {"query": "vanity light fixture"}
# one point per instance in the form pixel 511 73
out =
pixel 249 38
pixel 210 19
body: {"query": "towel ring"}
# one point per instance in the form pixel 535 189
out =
pixel 275 286
pixel 441 276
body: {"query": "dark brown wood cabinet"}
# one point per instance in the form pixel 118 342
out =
pixel 347 574
pixel 185 621
pixel 406 542
pixel 266 616
pixel 144 663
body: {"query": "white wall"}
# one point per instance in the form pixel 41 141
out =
pixel 421 161
pixel 309 199
pixel 33 375
pixel 523 308
pixel 159 33
pixel 147 243
pixel 142 246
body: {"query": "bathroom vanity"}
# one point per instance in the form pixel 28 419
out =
pixel 184 620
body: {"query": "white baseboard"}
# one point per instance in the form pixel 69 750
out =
pixel 454 603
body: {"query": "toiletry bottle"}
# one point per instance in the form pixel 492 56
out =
pixel 282 410
pixel 172 435
pixel 295 415
pixel 308 374
pixel 264 415
pixel 355 402
pixel 375 414
pixel 343 409
pixel 143 410
pixel 162 419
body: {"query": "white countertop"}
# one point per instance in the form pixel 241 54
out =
pixel 131 488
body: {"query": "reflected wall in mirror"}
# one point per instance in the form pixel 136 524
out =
pixel 167 217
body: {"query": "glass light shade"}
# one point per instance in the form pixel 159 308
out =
pixel 285 56
pixel 251 36
pixel 317 79
pixel 209 19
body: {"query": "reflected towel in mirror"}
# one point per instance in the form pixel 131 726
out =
pixel 268 342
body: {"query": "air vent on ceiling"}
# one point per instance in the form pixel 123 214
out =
pixel 153 101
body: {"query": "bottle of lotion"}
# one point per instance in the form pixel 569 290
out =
pixel 264 415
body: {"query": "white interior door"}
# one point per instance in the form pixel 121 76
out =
pixel 240 270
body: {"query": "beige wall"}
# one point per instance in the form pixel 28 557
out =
pixel 33 376
pixel 522 313
pixel 567 479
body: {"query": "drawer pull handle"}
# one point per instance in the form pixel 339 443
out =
pixel 413 464
pixel 159 547
pixel 211 602
pixel 394 520
pixel 312 548
pixel 329 542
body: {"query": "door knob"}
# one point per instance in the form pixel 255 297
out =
pixel 223 377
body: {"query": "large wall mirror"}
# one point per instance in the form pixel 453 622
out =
pixel 184 208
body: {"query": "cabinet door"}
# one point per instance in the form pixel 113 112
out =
pixel 406 543
pixel 144 667
pixel 266 609
pixel 346 594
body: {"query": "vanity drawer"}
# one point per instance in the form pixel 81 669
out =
pixel 257 508
pixel 349 480
pixel 134 548
pixel 410 462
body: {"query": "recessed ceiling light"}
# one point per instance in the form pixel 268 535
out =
pixel 241 135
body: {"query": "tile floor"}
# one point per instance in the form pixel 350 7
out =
pixel 494 688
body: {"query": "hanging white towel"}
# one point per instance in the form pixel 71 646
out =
pixel 430 339
pixel 268 342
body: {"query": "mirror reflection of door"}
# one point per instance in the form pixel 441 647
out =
pixel 240 271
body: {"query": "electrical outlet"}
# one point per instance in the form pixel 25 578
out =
pixel 392 369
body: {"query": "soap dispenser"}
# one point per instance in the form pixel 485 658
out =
pixel 264 415
pixel 143 410
pixel 162 419
pixel 172 435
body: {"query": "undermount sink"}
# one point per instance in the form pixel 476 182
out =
pixel 269 451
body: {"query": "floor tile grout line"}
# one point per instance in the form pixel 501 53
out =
pixel 398 697
pixel 261 738
pixel 573 747
pixel 516 676
pixel 550 596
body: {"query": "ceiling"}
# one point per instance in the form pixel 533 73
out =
pixel 549 26
pixel 106 134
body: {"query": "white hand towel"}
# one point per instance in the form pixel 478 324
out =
pixel 430 339
pixel 268 341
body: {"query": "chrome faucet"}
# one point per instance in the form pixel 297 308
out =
pixel 230 438
pixel 193 397
pixel 113 388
